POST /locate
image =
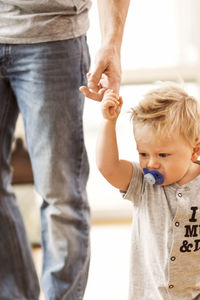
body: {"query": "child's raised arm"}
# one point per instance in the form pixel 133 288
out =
pixel 117 172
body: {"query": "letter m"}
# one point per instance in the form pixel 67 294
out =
pixel 191 230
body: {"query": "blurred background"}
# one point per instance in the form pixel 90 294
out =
pixel 161 42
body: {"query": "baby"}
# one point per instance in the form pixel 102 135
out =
pixel 164 189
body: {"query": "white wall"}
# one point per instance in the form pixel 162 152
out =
pixel 159 36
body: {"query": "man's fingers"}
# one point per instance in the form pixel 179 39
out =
pixel 94 79
pixel 90 94
pixel 105 81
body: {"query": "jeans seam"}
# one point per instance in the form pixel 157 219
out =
pixel 85 228
pixel 2 122
pixel 14 246
pixel 83 75
pixel 81 60
pixel 79 167
pixel 81 134
pixel 79 287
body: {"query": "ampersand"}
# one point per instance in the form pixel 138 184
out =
pixel 186 247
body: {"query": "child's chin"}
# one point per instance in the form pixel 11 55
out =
pixel 167 182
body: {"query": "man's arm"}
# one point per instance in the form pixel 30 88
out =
pixel 107 69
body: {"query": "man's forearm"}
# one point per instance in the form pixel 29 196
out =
pixel 107 69
pixel 112 15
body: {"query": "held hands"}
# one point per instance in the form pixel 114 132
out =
pixel 106 73
pixel 111 105
pixel 95 89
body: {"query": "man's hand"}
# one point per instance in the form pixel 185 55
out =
pixel 106 74
pixel 107 70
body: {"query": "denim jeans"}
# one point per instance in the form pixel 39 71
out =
pixel 42 82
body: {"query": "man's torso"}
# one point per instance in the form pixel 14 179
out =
pixel 33 21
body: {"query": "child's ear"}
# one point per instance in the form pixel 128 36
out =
pixel 196 152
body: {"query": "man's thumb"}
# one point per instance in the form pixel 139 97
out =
pixel 94 79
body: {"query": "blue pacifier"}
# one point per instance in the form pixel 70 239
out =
pixel 153 177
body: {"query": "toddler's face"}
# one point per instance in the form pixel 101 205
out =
pixel 171 156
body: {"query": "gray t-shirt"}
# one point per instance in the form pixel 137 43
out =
pixel 165 255
pixel 34 21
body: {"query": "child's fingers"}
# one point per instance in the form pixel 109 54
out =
pixel 120 100
pixel 110 93
pixel 111 97
pixel 108 104
pixel 112 110
pixel 102 91
pixel 111 104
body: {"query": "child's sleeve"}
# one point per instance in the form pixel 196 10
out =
pixel 136 185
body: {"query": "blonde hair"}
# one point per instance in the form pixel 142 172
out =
pixel 169 108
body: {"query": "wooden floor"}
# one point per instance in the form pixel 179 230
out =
pixel 109 268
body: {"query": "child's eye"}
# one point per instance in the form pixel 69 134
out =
pixel 143 154
pixel 163 154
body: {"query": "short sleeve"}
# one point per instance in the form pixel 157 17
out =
pixel 136 185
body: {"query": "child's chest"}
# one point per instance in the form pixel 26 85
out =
pixel 186 221
pixel 184 242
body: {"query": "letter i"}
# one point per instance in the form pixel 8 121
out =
pixel 194 210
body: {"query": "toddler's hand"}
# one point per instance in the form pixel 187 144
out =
pixel 111 105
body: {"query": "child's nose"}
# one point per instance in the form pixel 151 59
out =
pixel 153 163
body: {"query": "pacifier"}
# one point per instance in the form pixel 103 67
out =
pixel 153 177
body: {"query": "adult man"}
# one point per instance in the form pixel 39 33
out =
pixel 43 61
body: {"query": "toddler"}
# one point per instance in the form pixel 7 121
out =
pixel 164 189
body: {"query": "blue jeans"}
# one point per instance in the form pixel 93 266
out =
pixel 42 82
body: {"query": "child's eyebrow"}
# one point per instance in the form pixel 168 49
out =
pixel 140 150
